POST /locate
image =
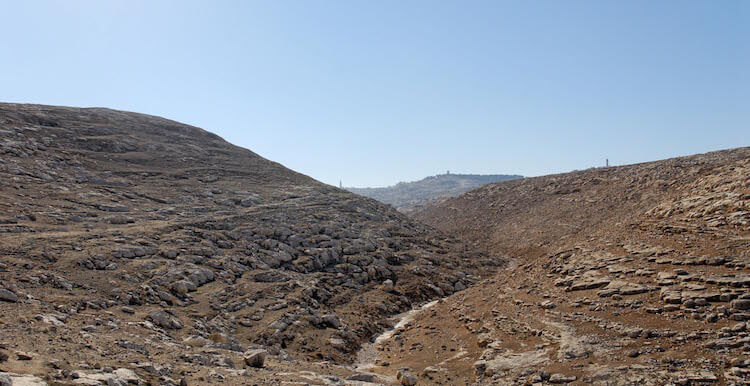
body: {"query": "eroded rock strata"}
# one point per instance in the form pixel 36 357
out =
pixel 629 275
pixel 134 249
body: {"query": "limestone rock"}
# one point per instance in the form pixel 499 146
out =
pixel 165 320
pixel 255 358
pixel 8 296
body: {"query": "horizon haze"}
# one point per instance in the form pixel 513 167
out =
pixel 376 93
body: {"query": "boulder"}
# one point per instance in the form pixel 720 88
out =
pixel 165 320
pixel 8 296
pixel 331 320
pixel 183 286
pixel 255 358
pixel 201 277
pixel 741 304
pixel 405 378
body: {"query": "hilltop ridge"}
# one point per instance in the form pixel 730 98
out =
pixel 410 196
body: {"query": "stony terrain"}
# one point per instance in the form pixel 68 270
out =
pixel 629 275
pixel 410 196
pixel 137 250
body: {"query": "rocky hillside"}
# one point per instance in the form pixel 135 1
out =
pixel 409 196
pixel 137 249
pixel 629 275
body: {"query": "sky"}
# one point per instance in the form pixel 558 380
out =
pixel 376 92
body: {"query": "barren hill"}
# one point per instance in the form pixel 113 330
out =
pixel 627 275
pixel 410 196
pixel 138 249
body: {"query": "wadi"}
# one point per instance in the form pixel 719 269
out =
pixel 138 250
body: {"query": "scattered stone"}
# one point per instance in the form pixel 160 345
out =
pixel 548 305
pixel 633 353
pixel 588 284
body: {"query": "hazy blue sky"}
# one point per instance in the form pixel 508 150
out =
pixel 375 92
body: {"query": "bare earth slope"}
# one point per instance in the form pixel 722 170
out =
pixel 134 248
pixel 629 275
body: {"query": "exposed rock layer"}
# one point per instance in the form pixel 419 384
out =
pixel 132 241
pixel 629 275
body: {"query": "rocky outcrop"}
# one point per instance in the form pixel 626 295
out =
pixel 628 275
pixel 128 238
